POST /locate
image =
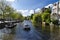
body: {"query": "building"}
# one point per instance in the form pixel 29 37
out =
pixel 55 8
pixel 55 14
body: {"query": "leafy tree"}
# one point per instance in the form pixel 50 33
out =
pixel 2 6
pixel 37 20
pixel 31 16
pixel 17 16
pixel 9 12
pixel 46 16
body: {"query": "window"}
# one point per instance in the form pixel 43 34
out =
pixel 59 9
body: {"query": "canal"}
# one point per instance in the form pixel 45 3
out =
pixel 18 33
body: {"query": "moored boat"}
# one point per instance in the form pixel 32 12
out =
pixel 2 25
pixel 10 25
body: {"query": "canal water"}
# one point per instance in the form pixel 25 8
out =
pixel 18 33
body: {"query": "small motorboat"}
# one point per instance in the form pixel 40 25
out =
pixel 26 27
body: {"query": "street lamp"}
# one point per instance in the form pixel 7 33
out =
pixel 34 11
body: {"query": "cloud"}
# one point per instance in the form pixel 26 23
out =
pixel 10 0
pixel 38 9
pixel 49 5
pixel 24 12
pixel 28 12
pixel 31 11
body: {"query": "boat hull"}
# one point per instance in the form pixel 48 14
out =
pixel 2 25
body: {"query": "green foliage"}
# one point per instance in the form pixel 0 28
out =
pixel 46 16
pixel 9 12
pixel 17 16
pixel 37 20
pixel 55 22
pixel 47 10
pixel 31 16
pixel 8 9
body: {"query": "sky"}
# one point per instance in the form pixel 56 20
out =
pixel 27 7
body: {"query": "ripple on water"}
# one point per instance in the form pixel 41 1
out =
pixel 1 34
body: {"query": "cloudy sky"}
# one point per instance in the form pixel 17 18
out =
pixel 27 7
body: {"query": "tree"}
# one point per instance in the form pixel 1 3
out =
pixel 9 12
pixel 2 7
pixel 46 15
pixel 37 20
pixel 17 16
pixel 31 17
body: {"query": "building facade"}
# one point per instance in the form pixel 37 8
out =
pixel 55 12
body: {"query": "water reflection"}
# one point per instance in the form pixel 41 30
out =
pixel 55 33
pixel 8 37
pixel 51 34
pixel 46 32
pixel 19 34
pixel 6 34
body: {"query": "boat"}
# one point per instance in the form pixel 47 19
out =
pixel 10 25
pixel 26 26
pixel 2 25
